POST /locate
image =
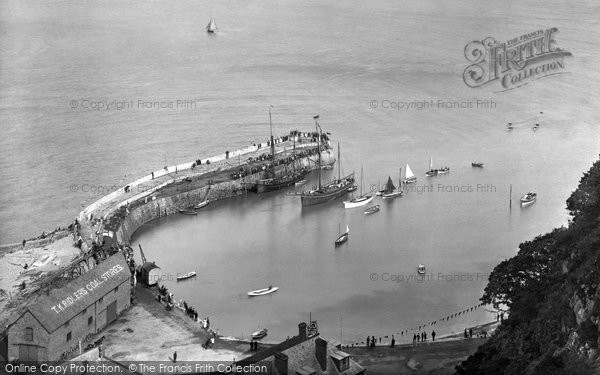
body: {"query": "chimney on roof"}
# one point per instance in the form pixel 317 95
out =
pixel 281 363
pixel 302 330
pixel 321 352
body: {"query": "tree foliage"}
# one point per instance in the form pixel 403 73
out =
pixel 543 333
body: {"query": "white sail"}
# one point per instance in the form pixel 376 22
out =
pixel 347 229
pixel 430 163
pixel 212 25
pixel 409 172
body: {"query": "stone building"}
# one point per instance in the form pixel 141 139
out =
pixel 305 354
pixel 59 321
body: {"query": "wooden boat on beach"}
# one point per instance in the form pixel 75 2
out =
pixel 186 275
pixel 262 292
pixel 259 334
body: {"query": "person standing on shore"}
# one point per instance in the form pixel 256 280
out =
pixel 368 342
pixel 175 357
pixel 470 333
pixel 432 335
pixel 393 342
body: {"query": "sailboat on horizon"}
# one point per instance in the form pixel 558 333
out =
pixel 212 25
pixel 362 199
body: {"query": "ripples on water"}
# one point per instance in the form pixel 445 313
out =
pixel 303 58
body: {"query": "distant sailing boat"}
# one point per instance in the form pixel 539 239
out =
pixel 409 177
pixel 390 187
pixel 342 237
pixel 362 200
pixel 212 25
pixel 432 172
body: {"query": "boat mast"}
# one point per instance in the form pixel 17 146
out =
pixel 339 163
pixel 272 145
pixel 400 179
pixel 361 180
pixel 317 127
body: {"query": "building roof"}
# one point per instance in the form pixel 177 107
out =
pixel 271 351
pixel 63 304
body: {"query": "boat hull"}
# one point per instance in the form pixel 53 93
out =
pixel 372 210
pixel 395 194
pixel 262 292
pixel 328 192
pixel 278 184
pixel 186 276
pixel 358 203
pixel 341 239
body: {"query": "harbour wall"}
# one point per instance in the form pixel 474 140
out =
pixel 147 206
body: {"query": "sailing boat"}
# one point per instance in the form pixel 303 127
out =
pixel 409 178
pixel 330 191
pixel 271 181
pixel 435 172
pixel 362 200
pixel 212 25
pixel 390 187
pixel 432 172
pixel 342 237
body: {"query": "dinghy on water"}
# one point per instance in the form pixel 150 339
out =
pixel 372 210
pixel 186 275
pixel 262 292
pixel 259 334
pixel 342 237
pixel 528 198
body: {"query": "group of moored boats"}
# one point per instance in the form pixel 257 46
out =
pixel 193 209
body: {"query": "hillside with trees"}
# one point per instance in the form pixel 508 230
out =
pixel 551 292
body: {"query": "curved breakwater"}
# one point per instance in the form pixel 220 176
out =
pixel 164 192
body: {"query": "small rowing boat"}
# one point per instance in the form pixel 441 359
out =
pixel 478 164
pixel 201 204
pixel 372 210
pixel 262 292
pixel 528 198
pixel 186 275
pixel 259 334
pixel 187 212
